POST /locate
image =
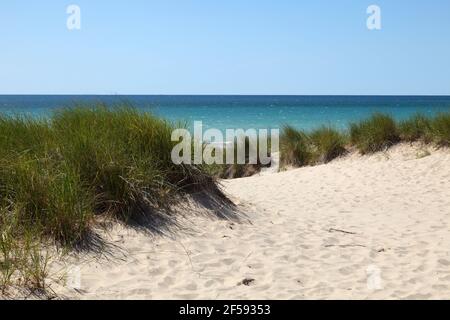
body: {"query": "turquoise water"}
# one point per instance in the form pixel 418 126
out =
pixel 245 112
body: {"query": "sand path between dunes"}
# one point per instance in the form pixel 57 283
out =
pixel 358 228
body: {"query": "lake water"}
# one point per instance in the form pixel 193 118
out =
pixel 245 112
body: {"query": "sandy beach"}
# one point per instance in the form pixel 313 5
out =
pixel 360 227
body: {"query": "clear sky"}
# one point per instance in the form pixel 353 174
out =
pixel 225 47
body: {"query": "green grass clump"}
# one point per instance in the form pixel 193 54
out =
pixel 58 175
pixel 374 134
pixel 418 127
pixel 295 148
pixel 22 258
pixel 239 170
pixel 328 142
pixel 440 129
pixel 299 148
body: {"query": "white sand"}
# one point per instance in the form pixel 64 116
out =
pixel 395 207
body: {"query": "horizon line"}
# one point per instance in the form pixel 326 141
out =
pixel 224 95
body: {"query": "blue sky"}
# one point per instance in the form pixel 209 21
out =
pixel 225 47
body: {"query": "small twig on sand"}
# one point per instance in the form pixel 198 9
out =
pixel 189 257
pixel 339 230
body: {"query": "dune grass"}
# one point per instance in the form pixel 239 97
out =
pixel 58 175
pixel 418 127
pixel 299 148
pixel 440 129
pixel 236 169
pixel 377 133
pixel 295 147
pixel 329 144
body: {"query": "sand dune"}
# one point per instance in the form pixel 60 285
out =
pixel 357 228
